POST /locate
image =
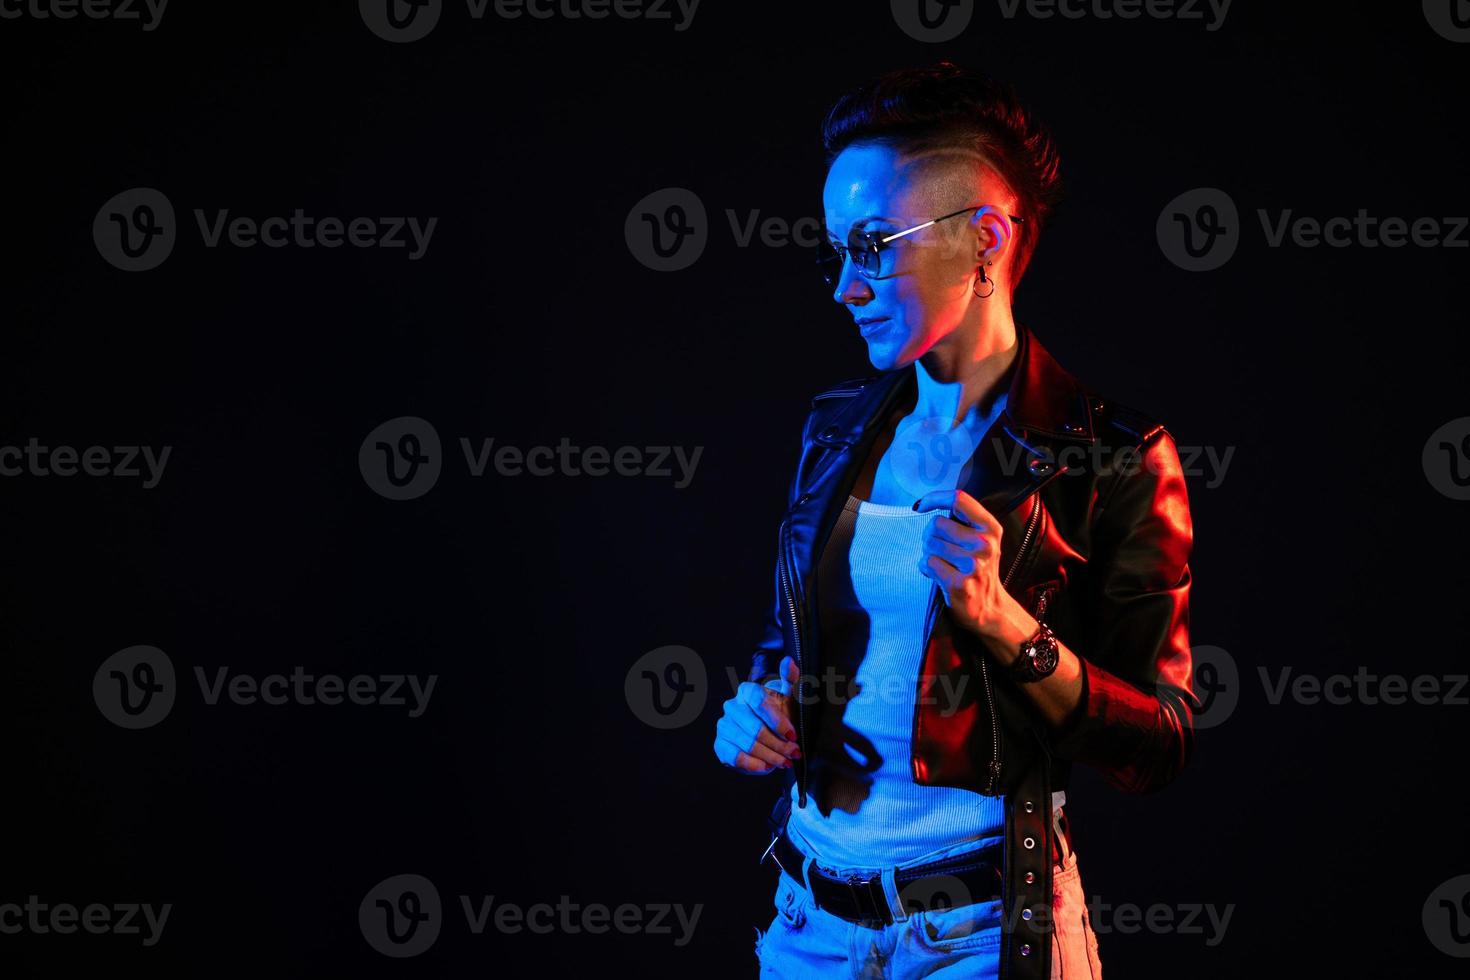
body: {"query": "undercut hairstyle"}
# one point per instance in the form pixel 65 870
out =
pixel 918 110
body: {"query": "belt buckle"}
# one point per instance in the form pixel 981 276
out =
pixel 884 913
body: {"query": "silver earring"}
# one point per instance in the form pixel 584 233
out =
pixel 982 279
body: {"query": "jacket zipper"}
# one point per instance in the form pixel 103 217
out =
pixel 1031 522
pixel 800 666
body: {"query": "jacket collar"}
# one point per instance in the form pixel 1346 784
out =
pixel 1043 399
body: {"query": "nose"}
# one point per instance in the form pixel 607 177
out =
pixel 852 286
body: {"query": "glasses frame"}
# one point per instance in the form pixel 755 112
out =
pixel 876 243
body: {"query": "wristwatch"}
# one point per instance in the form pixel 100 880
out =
pixel 1038 656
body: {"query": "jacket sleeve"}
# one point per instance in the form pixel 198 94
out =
pixel 1135 719
pixel 771 646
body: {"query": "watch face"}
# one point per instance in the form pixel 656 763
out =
pixel 1044 657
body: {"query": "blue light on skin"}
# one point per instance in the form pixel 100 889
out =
pixel 961 344
pixel 923 307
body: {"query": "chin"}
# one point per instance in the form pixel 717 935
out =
pixel 888 357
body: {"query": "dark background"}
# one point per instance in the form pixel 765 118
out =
pixel 530 776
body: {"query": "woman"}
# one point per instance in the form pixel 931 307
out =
pixel 981 579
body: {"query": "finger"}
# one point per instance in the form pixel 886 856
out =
pixel 961 507
pixel 768 707
pixel 751 746
pixel 756 724
pixel 733 755
pixel 753 730
pixel 942 572
pixel 749 763
pixel 963 560
pixel 972 511
pixel 935 499
pixel 951 530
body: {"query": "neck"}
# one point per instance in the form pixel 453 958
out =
pixel 960 375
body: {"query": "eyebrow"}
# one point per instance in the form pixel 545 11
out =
pixel 861 223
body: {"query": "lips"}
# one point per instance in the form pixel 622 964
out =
pixel 867 326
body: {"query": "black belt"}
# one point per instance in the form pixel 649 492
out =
pixel 947 883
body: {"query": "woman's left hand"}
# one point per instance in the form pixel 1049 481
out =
pixel 963 558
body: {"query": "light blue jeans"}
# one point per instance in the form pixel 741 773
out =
pixel 807 943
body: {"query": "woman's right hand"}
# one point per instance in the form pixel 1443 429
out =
pixel 746 736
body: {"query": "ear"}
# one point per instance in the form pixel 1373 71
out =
pixel 997 233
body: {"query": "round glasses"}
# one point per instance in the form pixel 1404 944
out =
pixel 868 249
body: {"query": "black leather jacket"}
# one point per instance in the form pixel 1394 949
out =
pixel 1096 536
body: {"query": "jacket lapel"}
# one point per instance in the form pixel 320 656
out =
pixel 1017 456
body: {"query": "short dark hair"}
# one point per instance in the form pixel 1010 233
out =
pixel 917 109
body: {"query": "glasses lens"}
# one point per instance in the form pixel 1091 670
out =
pixel 867 256
pixel 829 262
